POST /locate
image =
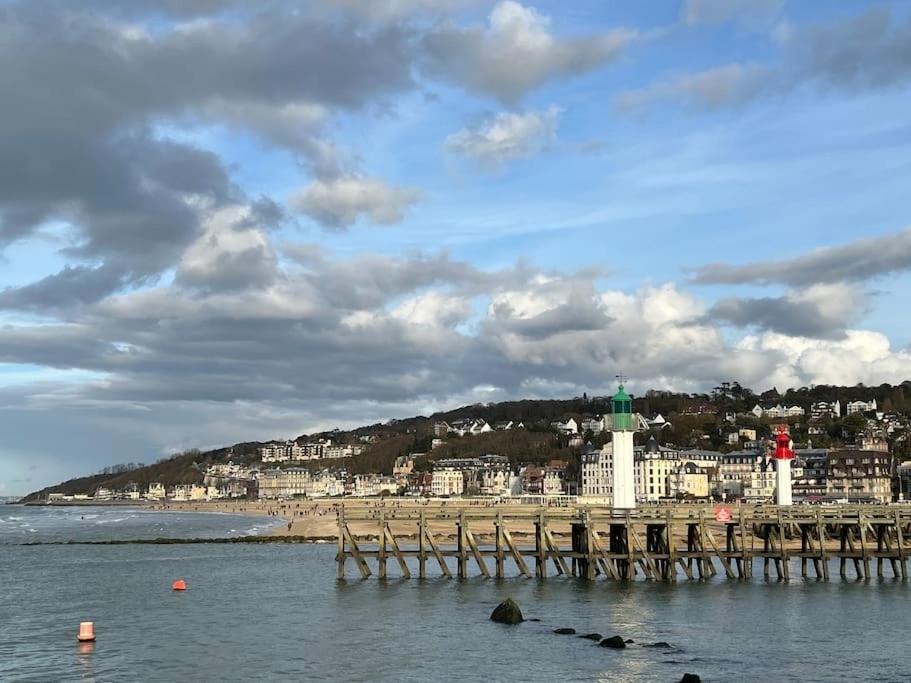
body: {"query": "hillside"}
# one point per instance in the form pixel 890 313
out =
pixel 695 419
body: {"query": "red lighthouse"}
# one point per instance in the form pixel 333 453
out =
pixel 783 456
pixel 783 449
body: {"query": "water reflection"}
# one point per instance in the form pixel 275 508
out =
pixel 85 662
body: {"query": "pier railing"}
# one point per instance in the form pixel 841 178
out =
pixel 657 542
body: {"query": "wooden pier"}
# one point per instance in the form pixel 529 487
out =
pixel 662 543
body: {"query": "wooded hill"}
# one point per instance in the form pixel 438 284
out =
pixel 534 444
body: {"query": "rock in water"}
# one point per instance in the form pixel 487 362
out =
pixel 661 644
pixel 592 636
pixel 565 631
pixel 629 640
pixel 614 642
pixel 690 678
pixel 507 612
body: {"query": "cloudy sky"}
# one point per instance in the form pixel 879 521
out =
pixel 223 220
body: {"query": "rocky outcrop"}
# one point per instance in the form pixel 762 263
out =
pixel 565 631
pixel 507 612
pixel 690 678
pixel 592 636
pixel 615 642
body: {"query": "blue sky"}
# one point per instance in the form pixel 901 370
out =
pixel 219 223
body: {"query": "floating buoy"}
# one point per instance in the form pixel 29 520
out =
pixel 86 632
pixel 179 585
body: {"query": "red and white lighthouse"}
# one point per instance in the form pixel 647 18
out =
pixel 783 456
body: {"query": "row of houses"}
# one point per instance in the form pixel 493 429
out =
pixel 492 475
pixel 487 475
pixel 571 426
pixel 285 451
pixel 820 410
pixel 296 481
pixel 471 427
pixel 155 492
pixel 778 411
pixel 663 473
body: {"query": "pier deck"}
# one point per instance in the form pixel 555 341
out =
pixel 665 543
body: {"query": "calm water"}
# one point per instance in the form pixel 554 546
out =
pixel 276 612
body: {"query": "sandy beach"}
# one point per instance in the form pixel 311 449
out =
pixel 317 519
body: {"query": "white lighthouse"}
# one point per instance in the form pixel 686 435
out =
pixel 622 427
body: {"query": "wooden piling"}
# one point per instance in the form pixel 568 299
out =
pixel 381 556
pixel 422 551
pixel 500 555
pixel 341 554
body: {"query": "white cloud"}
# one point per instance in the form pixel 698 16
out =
pixel 506 136
pixel 516 52
pixel 433 309
pixel 340 202
pixel 861 356
pixel 229 254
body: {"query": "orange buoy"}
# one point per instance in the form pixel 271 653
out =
pixel 86 632
pixel 179 585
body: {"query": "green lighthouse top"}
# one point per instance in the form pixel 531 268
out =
pixel 623 399
pixel 622 409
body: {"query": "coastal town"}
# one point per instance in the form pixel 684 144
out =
pixel 862 464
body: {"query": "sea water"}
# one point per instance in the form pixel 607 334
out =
pixel 277 612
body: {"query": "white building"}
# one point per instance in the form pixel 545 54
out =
pixel 185 492
pixel 596 473
pixel 860 406
pixel 468 426
pixel 286 483
pixel 374 485
pixel 658 422
pixel 593 424
pixel 156 491
pixel 690 480
pixel 276 451
pixel 778 411
pixel 569 426
pixel 494 477
pixel 447 481
pixel 735 471
pixel 318 450
pixel 822 410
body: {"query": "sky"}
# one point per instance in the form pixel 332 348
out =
pixel 223 221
